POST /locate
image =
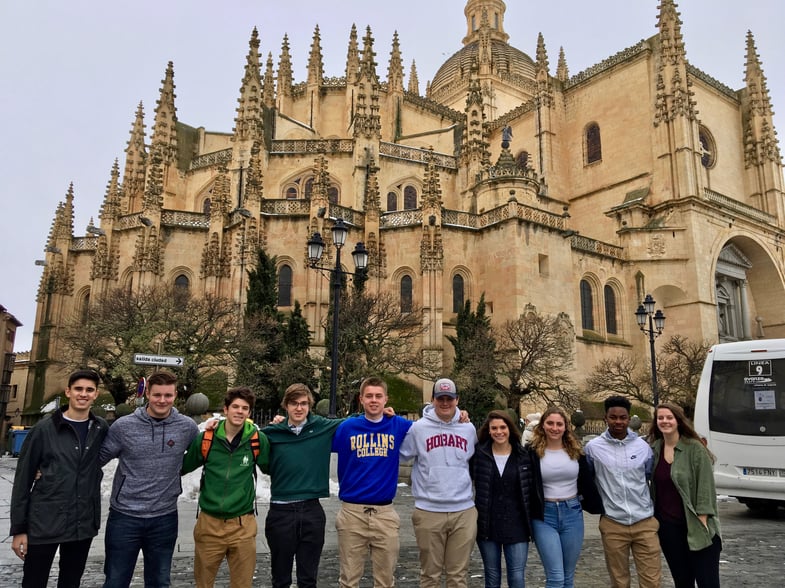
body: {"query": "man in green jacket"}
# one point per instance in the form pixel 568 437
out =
pixel 226 524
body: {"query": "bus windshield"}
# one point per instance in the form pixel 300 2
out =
pixel 748 397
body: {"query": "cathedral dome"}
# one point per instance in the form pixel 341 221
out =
pixel 506 61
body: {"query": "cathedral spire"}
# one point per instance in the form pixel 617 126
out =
pixel 368 63
pixel 671 41
pixel 248 122
pixel 315 61
pixel 760 101
pixel 542 55
pixel 285 79
pixel 475 138
pixel 135 163
pixel 562 73
pixel 64 218
pixel 110 209
pixel 485 14
pixel 414 82
pixel 165 126
pixel 395 68
pixel 762 156
pixel 268 87
pixel 367 122
pixel 352 58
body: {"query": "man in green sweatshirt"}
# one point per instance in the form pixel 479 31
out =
pixel 226 524
pixel 299 476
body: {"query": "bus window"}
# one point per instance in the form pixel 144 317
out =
pixel 748 397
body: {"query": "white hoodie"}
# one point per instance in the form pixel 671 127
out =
pixel 441 452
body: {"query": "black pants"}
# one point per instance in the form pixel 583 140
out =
pixel 39 558
pixel 688 567
pixel 295 530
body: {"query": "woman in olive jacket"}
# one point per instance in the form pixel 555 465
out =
pixel 502 473
pixel 685 499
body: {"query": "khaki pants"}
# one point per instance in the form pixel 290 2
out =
pixel 364 527
pixel 445 540
pixel 234 539
pixel 641 538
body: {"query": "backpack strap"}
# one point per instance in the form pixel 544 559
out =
pixel 207 443
pixel 255 445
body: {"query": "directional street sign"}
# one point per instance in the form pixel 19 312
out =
pixel 144 359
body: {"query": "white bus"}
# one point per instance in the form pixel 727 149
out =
pixel 740 409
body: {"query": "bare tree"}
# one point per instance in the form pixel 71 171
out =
pixel 376 337
pixel 679 365
pixel 120 324
pixel 536 356
pixel 620 376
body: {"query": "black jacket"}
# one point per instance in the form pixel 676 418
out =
pixel 65 503
pixel 483 467
pixel 587 490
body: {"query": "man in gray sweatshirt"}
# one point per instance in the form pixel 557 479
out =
pixel 149 444
pixel 445 519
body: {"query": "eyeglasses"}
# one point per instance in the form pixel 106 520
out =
pixel 303 404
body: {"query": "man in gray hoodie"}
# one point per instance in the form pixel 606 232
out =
pixel 149 444
pixel 445 520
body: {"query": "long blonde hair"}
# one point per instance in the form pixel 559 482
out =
pixel 570 442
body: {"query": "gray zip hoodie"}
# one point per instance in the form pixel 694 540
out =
pixel 441 452
pixel 147 481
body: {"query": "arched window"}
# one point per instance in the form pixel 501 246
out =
pixel 291 193
pixel 84 307
pixel 308 188
pixel 284 285
pixel 182 287
pixel 409 198
pixel 392 201
pixel 593 143
pixel 182 282
pixel 457 293
pixel 406 294
pixel 610 311
pixel 522 160
pixel 332 195
pixel 587 306
pixel 206 205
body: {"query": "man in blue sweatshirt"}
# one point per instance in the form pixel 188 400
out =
pixel 149 444
pixel 445 519
pixel 367 448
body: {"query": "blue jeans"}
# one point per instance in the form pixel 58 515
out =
pixel 559 539
pixel 126 535
pixel 515 556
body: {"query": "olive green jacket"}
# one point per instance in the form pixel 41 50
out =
pixel 693 476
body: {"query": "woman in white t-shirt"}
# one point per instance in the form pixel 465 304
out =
pixel 562 483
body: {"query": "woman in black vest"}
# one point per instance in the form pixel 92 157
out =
pixel 502 473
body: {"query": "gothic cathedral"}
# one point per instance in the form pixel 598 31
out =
pixel 574 194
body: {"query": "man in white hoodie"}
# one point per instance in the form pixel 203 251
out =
pixel 445 520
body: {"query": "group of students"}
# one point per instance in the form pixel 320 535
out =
pixel 538 491
pixel 652 494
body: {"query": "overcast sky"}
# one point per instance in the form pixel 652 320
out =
pixel 72 73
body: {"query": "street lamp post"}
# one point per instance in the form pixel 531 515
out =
pixel 656 322
pixel 360 257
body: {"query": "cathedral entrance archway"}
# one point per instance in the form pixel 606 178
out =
pixel 748 292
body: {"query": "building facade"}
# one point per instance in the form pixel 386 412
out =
pixel 573 194
pixel 8 391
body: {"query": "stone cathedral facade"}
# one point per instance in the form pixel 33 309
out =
pixel 575 194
